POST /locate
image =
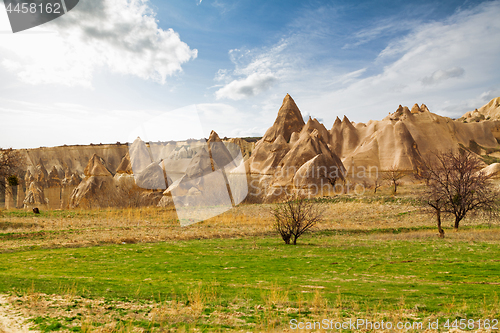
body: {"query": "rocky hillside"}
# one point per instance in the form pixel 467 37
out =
pixel 293 157
pixel 310 159
pixel 489 111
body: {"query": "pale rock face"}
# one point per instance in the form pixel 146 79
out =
pixel 401 140
pixel 289 120
pixel 152 178
pixel 313 124
pixel 415 109
pixel 200 165
pixel 125 166
pixel 139 154
pixel 96 167
pixel 489 111
pixel 41 174
pixel 215 177
pixel 274 165
pixel 266 156
pixel 97 189
pixel 306 148
pixel 28 179
pixel 492 170
pixel 239 145
pixel 295 136
pixel 34 196
pixel 219 153
pixel 319 175
pixel 53 178
pixel 281 142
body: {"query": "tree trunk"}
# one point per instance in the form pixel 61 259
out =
pixel 457 222
pixel 438 216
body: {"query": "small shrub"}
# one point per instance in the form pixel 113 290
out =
pixel 13 180
pixel 296 216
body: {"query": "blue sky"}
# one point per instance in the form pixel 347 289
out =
pixel 102 71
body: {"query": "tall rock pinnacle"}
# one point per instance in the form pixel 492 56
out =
pixel 289 120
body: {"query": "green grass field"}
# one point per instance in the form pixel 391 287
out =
pixel 374 257
pixel 264 283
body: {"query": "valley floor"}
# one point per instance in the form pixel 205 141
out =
pixel 375 257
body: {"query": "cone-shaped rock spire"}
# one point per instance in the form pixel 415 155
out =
pixel 289 120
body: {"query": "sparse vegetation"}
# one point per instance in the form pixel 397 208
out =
pixel 490 159
pixel 296 216
pixel 394 175
pixel 11 163
pixel 456 186
pixel 137 270
pixel 255 284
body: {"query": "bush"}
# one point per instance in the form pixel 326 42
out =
pixel 296 216
pixel 13 180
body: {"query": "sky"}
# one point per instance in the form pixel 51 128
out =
pixel 110 70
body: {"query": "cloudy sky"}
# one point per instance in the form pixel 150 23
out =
pixel 110 70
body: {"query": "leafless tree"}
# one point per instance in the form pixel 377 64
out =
pixel 377 183
pixel 11 164
pixel 296 216
pixel 456 186
pixel 393 175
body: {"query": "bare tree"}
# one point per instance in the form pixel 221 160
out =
pixel 456 186
pixel 11 164
pixel 296 216
pixel 377 183
pixel 393 175
pixel 437 204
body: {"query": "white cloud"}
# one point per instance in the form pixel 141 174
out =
pixel 386 26
pixel 447 65
pixel 120 35
pixel 250 86
pixel 443 74
pixel 255 71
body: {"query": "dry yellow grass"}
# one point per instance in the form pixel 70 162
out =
pixel 134 225
pixel 110 316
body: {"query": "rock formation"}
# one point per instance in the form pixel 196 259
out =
pixel 492 170
pixel 489 111
pixel 69 184
pixel 289 120
pixel 152 178
pixel 302 162
pixel 53 189
pixel 399 141
pixel 214 180
pixel 97 189
pixel 35 196
pixel 125 167
pixel 140 156
pixel 20 196
pixel 74 158
pixel 292 157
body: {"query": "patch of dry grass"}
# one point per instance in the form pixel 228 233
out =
pixel 112 316
pixel 114 226
pixel 79 228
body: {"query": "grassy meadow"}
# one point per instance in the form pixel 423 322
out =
pixel 375 257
